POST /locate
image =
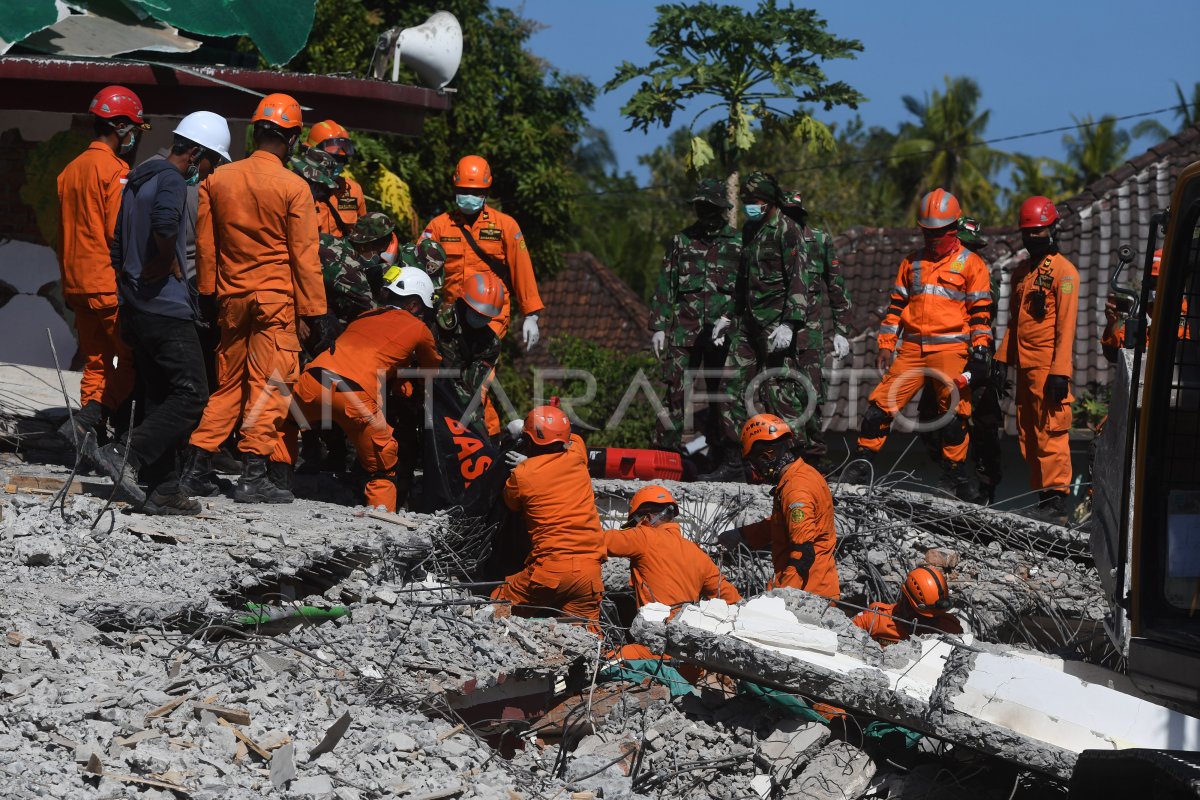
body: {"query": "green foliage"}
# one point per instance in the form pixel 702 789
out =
pixel 753 65
pixel 1032 175
pixel 614 373
pixel 1090 408
pixel 40 190
pixel 1097 148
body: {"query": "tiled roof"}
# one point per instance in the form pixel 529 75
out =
pixel 588 301
pixel 1115 210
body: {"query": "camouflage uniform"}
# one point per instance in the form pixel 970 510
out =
pixel 470 352
pixel 827 287
pixel 695 289
pixel 772 289
pixel 350 281
pixel 428 255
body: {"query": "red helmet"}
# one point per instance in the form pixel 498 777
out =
pixel 115 102
pixel 938 209
pixel 927 591
pixel 546 424
pixel 1037 212
pixel 483 292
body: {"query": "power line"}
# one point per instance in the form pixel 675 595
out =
pixel 884 159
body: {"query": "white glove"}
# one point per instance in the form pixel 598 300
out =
pixel 516 428
pixel 718 334
pixel 841 347
pixel 513 458
pixel 529 332
pixel 731 539
pixel 658 341
pixel 780 338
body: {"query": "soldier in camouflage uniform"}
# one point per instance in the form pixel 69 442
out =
pixel 469 346
pixel 692 303
pixel 771 307
pixel 826 287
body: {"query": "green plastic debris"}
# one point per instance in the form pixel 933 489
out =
pixel 263 614
pixel 880 729
pixel 278 28
pixel 791 704
pixel 18 20
pixel 638 670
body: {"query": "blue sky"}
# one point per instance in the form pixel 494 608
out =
pixel 1037 63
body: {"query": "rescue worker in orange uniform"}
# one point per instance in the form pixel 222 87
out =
pixel 343 382
pixel 337 212
pixel 924 607
pixel 800 530
pixel 551 487
pixel 1113 338
pixel 89 197
pixel 256 256
pixel 941 304
pixel 1040 343
pixel 478 238
pixel 666 567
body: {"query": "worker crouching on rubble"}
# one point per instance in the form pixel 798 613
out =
pixel 343 381
pixel 551 487
pixel 924 607
pixel 800 530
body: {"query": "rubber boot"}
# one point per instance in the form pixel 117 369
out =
pixel 859 471
pixel 255 485
pixel 956 480
pixel 169 499
pixel 122 467
pixel 196 477
pixel 281 474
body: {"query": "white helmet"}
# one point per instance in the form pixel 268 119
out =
pixel 207 130
pixel 413 282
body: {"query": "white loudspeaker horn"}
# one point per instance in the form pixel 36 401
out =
pixel 432 49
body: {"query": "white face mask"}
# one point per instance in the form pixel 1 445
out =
pixel 468 203
pixel 387 257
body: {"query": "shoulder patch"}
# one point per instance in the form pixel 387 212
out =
pixel 427 234
pixel 1067 286
pixel 796 515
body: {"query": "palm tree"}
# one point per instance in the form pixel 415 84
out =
pixel 1186 111
pixel 1097 148
pixel 945 147
pixel 1033 175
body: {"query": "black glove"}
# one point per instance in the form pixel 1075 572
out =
pixel 322 333
pixel 1057 388
pixel 978 365
pixel 206 306
pixel 999 378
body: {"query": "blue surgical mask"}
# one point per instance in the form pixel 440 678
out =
pixel 468 203
pixel 754 210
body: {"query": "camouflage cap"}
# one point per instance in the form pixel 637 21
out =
pixel 371 227
pixel 711 191
pixel 761 186
pixel 316 166
pixel 793 199
pixel 970 233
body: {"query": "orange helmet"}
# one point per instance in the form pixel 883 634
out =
pixel 763 428
pixel 483 293
pixel 1154 265
pixel 473 172
pixel 927 592
pixel 547 424
pixel 280 109
pixel 656 495
pixel 938 209
pixel 330 137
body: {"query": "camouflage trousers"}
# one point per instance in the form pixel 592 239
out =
pixel 780 383
pixel 681 363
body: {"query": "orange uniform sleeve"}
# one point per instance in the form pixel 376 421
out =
pixel 889 328
pixel 716 584
pixel 979 301
pixel 799 513
pixel 757 535
pixel 362 200
pixel 427 354
pixel 206 245
pixel 625 542
pixel 302 241
pixel 516 253
pixel 112 203
pixel 512 492
pixel 1065 318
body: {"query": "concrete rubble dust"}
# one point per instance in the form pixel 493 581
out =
pixel 310 651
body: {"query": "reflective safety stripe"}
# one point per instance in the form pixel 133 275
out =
pixel 941 291
pixel 889 329
pixel 900 290
pixel 916 273
pixel 948 339
pixel 984 295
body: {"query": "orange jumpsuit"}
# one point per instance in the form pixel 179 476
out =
pixel 1039 346
pixel 350 204
pixel 344 384
pixel 554 493
pixel 498 235
pixel 800 533
pixel 942 309
pixel 888 623
pixel 89 197
pixel 667 568
pixel 256 247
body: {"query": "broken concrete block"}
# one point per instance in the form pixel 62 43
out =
pixel 789 747
pixel 283 765
pixel 314 786
pixel 761 784
pixel 942 558
pixel 839 771
pixel 402 741
pixel 38 551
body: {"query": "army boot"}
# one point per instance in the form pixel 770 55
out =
pixel 170 499
pixel 255 485
pixel 1052 508
pixel 79 425
pixel 121 466
pixel 281 474
pixel 859 471
pixel 196 477
pixel 956 481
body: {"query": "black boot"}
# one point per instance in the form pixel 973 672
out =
pixel 281 474
pixel 859 471
pixel 122 467
pixel 225 462
pixel 1052 508
pixel 255 485
pixel 169 498
pixel 79 425
pixel 196 477
pixel 957 481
